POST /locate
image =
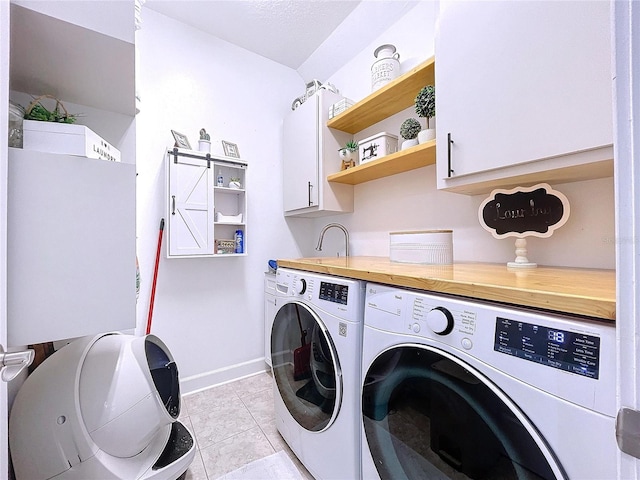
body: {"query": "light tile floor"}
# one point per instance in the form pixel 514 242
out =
pixel 233 424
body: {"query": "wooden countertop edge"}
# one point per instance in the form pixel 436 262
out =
pixel 596 307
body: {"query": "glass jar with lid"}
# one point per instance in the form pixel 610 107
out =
pixel 16 115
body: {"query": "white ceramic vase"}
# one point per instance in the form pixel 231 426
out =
pixel 204 146
pixel 409 143
pixel 426 135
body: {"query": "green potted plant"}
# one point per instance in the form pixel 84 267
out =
pixel 204 144
pixel 37 111
pixel 409 131
pixel 426 108
pixel 349 154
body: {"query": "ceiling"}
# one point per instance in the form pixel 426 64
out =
pixel 289 31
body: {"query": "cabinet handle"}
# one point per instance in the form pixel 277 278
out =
pixel 173 204
pixel 449 142
pixel 309 191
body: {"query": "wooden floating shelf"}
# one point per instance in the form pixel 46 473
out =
pixel 409 159
pixel 386 101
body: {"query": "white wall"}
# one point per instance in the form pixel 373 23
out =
pixel 209 311
pixel 410 201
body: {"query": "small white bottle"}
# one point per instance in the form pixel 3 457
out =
pixel 220 182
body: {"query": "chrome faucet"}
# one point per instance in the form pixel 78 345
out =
pixel 346 237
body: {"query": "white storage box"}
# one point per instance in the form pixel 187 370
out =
pixel 67 138
pixel 431 247
pixel 377 146
pixel 340 107
pixel 229 218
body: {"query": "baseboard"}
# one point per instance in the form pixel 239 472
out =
pixel 213 378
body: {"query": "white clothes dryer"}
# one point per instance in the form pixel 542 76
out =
pixel 316 354
pixel 458 388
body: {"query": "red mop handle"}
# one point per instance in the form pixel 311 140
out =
pixel 155 277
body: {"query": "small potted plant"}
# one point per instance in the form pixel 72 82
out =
pixel 234 182
pixel 409 131
pixel 349 154
pixel 37 111
pixel 426 108
pixel 204 144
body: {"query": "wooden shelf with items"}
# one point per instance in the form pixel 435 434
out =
pixel 386 101
pixel 411 158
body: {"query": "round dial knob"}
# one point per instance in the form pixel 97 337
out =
pixel 301 287
pixel 440 321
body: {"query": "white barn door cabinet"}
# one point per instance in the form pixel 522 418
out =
pixel 206 204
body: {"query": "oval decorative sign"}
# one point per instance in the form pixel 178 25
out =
pixel 524 211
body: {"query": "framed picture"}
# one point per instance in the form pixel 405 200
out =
pixel 181 140
pixel 230 149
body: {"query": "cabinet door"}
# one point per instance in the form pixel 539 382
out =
pixel 521 81
pixel 70 247
pixel 300 156
pixel 190 207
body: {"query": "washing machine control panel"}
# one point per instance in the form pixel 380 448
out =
pixel 572 352
pixel 412 313
pixel 339 296
pixel 573 358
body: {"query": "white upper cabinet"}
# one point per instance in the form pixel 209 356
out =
pixel 523 92
pixel 71 220
pixel 300 157
pixel 71 246
pixel 310 154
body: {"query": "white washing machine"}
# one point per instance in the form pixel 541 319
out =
pixel 316 353
pixel 461 389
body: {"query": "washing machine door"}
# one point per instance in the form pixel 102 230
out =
pixel 427 414
pixel 305 366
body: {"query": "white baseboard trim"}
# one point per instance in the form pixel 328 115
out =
pixel 203 381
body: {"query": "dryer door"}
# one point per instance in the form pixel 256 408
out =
pixel 427 414
pixel 305 366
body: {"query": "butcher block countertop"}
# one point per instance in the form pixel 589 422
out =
pixel 585 292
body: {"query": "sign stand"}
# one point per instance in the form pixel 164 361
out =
pixel 521 260
pixel 522 212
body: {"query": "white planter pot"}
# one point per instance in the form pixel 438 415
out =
pixel 346 155
pixel 409 143
pixel 426 135
pixel 204 146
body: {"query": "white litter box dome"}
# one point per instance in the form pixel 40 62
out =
pixel 100 407
pixel 120 403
